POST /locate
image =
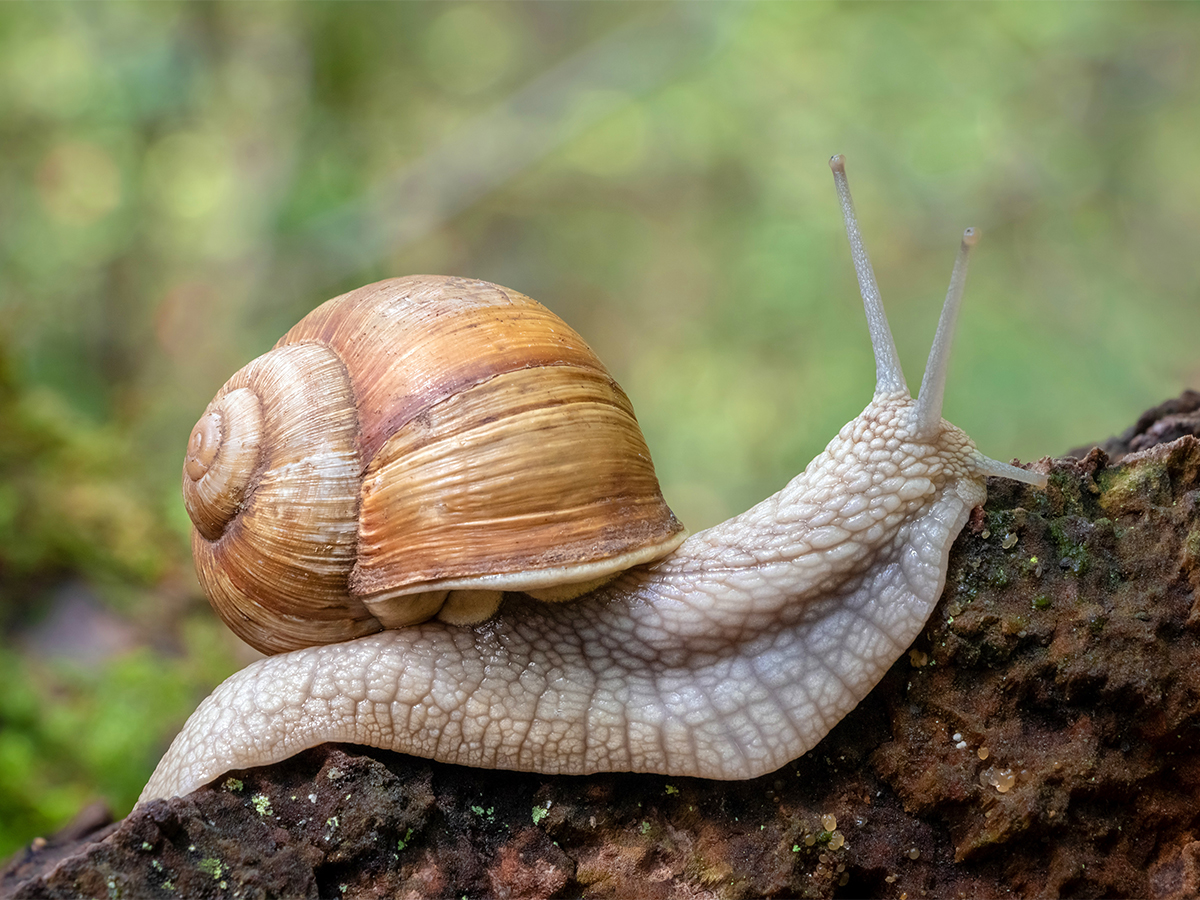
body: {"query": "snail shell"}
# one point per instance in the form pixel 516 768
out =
pixel 415 448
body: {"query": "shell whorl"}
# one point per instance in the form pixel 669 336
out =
pixel 222 456
pixel 277 573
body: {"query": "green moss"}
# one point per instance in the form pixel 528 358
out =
pixel 1075 552
pixel 212 866
pixel 1032 565
pixel 262 805
pixel 1191 545
pixel 1129 488
pixel 999 522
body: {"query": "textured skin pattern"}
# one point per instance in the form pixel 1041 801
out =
pixel 725 660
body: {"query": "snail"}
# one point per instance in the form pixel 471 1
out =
pixel 723 657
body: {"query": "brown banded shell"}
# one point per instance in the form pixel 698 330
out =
pixel 415 448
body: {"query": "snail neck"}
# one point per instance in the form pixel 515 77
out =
pixel 861 506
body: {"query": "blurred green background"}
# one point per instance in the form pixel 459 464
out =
pixel 181 182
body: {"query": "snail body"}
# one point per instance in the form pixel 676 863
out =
pixel 725 658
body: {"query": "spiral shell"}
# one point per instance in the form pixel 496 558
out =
pixel 415 448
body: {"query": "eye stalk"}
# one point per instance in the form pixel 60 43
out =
pixel 926 416
pixel 889 376
pixel 928 413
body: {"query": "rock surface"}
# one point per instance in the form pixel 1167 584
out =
pixel 1040 739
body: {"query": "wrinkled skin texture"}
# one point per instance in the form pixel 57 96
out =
pixel 732 656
